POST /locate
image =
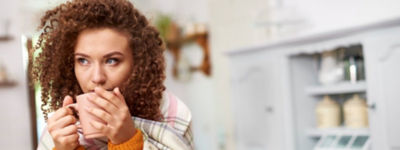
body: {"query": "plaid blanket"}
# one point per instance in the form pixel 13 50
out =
pixel 173 132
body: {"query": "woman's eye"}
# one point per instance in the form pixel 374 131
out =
pixel 112 61
pixel 82 61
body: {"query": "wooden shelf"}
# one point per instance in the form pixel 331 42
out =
pixel 8 84
pixel 336 131
pixel 339 88
pixel 5 38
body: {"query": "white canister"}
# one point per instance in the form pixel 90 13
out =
pixel 328 113
pixel 331 71
pixel 356 112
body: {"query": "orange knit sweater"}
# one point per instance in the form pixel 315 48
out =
pixel 135 143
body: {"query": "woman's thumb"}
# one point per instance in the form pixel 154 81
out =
pixel 67 100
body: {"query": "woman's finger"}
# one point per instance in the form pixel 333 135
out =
pixel 108 96
pixel 61 112
pixel 103 103
pixel 67 100
pixel 69 130
pixel 62 122
pixel 117 92
pixel 101 114
pixel 105 129
pixel 72 140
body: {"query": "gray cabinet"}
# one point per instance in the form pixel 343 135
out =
pixel 256 95
pixel 275 89
pixel 383 73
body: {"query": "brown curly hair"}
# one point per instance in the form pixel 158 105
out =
pixel 53 68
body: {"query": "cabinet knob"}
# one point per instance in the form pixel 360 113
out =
pixel 269 109
pixel 372 106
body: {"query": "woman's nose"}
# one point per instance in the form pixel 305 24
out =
pixel 98 75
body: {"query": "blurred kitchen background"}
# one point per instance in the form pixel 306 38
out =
pixel 257 74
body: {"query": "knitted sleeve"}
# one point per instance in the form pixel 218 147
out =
pixel 78 148
pixel 135 143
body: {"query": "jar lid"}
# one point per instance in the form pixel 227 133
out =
pixel 327 100
pixel 356 100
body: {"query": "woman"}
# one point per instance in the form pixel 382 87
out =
pixel 106 47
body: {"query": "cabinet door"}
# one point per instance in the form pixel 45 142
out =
pixel 257 102
pixel 382 58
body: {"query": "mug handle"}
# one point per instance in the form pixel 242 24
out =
pixel 74 108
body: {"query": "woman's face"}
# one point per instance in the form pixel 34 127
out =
pixel 102 58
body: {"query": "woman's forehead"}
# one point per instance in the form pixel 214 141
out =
pixel 102 41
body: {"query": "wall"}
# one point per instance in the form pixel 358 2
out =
pixel 338 14
pixel 15 127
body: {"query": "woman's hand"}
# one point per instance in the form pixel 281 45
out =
pixel 62 128
pixel 115 113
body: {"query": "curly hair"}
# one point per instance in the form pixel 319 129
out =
pixel 53 68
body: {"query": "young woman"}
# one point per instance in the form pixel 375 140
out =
pixel 106 47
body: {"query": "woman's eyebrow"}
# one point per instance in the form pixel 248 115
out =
pixel 113 53
pixel 81 54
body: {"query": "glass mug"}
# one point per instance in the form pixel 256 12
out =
pixel 85 117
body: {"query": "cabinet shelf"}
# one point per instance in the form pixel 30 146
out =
pixel 336 131
pixel 7 84
pixel 5 38
pixel 339 88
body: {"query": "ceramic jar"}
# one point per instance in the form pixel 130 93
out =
pixel 328 113
pixel 356 112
